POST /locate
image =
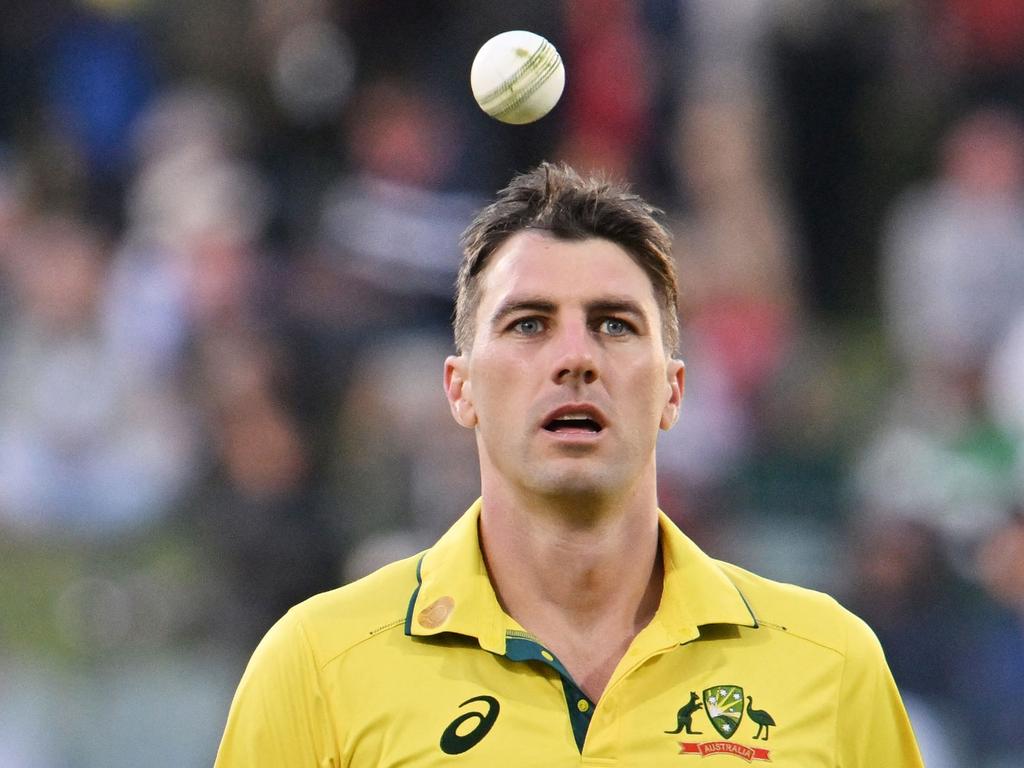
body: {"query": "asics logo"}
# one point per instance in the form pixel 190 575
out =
pixel 455 743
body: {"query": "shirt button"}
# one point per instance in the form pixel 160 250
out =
pixel 583 705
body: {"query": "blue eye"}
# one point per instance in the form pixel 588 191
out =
pixel 528 326
pixel 613 326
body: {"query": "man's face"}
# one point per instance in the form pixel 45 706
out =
pixel 567 381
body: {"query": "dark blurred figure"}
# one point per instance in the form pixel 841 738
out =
pixel 257 508
pixel 980 43
pixel 946 643
pixel 998 669
pixel 827 58
pixel 909 594
pixel 396 487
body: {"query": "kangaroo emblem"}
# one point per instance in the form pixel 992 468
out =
pixel 686 715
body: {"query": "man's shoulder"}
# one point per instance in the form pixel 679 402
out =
pixel 800 612
pixel 335 621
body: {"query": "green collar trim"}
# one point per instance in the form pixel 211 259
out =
pixel 518 648
pixel 415 594
pixel 521 646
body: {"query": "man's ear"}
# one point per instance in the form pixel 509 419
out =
pixel 458 390
pixel 676 386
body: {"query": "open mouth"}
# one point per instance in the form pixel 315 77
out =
pixel 573 423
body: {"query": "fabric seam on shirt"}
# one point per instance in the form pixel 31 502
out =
pixel 332 719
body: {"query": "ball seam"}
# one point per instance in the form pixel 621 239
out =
pixel 542 64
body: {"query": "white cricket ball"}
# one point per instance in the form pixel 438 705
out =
pixel 517 77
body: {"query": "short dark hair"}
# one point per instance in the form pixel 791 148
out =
pixel 556 200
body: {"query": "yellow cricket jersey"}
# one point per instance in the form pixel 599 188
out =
pixel 417 665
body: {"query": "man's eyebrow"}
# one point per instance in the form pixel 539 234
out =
pixel 616 305
pixel 610 304
pixel 515 304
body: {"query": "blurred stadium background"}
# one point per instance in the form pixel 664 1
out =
pixel 227 239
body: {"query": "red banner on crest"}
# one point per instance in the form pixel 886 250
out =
pixel 741 751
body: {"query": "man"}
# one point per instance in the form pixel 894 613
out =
pixel 563 620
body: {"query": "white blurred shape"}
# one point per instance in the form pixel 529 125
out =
pixel 313 71
pixel 1006 380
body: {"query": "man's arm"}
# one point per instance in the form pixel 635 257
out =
pixel 872 728
pixel 279 716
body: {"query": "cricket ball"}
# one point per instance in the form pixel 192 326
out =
pixel 517 77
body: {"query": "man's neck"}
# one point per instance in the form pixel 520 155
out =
pixel 584 581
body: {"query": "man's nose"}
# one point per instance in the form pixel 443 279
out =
pixel 575 362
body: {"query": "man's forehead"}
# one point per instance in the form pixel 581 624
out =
pixel 534 266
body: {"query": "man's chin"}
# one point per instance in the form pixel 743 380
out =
pixel 578 484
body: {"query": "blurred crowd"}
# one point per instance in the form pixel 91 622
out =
pixel 228 237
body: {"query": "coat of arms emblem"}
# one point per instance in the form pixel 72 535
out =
pixel 724 707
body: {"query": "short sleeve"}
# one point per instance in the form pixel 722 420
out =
pixel 872 727
pixel 279 715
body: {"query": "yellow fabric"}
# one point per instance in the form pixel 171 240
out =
pixel 376 673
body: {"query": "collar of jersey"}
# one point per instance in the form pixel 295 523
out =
pixel 454 592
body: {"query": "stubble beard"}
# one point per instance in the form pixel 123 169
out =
pixel 581 486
